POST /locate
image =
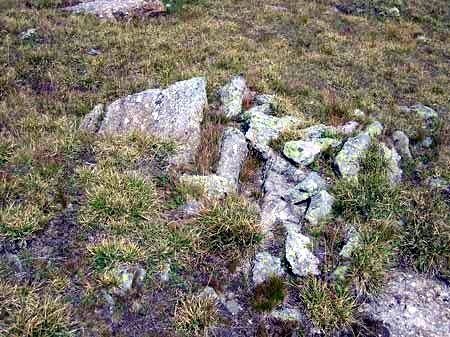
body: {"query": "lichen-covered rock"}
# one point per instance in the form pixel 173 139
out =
pixel 349 127
pixel 394 172
pixel 266 99
pixel 374 129
pixel 288 314
pixel 173 114
pixel 349 158
pixel 109 9
pixel 319 131
pixel 308 187
pixel 92 121
pixel 320 207
pixel 353 242
pixel 127 278
pixel 266 265
pixel 424 111
pixel 232 96
pixel 298 254
pixel 306 152
pixel 262 128
pixel 233 153
pixel 401 143
pixel 438 183
pixel 215 187
pixel 412 305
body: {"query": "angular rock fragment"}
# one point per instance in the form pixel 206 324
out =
pixel 320 207
pixel 266 265
pixel 215 187
pixel 308 187
pixel 232 96
pixel 92 121
pixel 306 152
pixel 298 254
pixel 349 158
pixel 394 172
pixel 288 315
pixel 374 129
pixel 401 143
pixel 424 111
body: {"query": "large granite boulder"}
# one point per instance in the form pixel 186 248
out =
pixel 412 305
pixel 110 9
pixel 173 114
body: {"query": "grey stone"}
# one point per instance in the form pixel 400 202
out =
pixel 394 172
pixel 28 34
pixel 349 127
pixel 393 12
pixel 191 208
pixel 232 96
pixel 424 112
pixel 266 99
pixel 92 121
pixel 349 158
pixel 265 266
pixel 438 182
pixel 298 254
pixel 427 142
pixel 359 113
pixel 262 128
pixel 214 186
pixel 233 153
pixel 353 242
pixel 401 143
pixel 308 187
pixel 164 273
pixel 108 9
pixel 173 114
pixel 339 273
pixel 306 152
pixel 374 129
pixel 127 278
pixel 288 315
pixel 412 305
pixel 320 207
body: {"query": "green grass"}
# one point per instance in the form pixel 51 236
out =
pixel 109 253
pixel 269 294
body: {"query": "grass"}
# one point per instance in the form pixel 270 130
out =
pixel 269 294
pixel 230 225
pixel 108 253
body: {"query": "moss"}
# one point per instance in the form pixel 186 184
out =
pixel 269 294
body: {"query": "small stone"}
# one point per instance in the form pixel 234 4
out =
pixel 29 34
pixel 232 96
pixel 349 127
pixel 359 113
pixel 427 142
pixel 349 158
pixel 128 278
pixel 232 306
pixel 92 121
pixel 164 273
pixel 298 254
pixel 438 183
pixel 214 186
pixel 374 129
pixel 320 207
pixel 353 242
pixel 401 143
pixel 424 112
pixel 393 11
pixel 191 208
pixel 266 265
pixel 288 315
pixel 394 172
pixel 94 52
pixel 266 99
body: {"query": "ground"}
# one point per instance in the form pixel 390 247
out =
pixel 64 225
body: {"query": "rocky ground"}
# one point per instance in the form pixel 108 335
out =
pixel 224 168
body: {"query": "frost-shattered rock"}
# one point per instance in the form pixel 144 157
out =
pixel 109 9
pixel 349 158
pixel 232 96
pixel 233 153
pixel 173 114
pixel 262 128
pixel 306 152
pixel 320 207
pixel 214 186
pixel 28 34
pixel 298 254
pixel 319 131
pixel 92 121
pixel 266 99
pixel 308 187
pixel 412 305
pixel 349 127
pixel 438 183
pixel 394 172
pixel 401 143
pixel 266 265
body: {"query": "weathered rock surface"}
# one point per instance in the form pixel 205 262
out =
pixel 233 153
pixel 424 111
pixel 266 265
pixel 349 158
pixel 320 207
pixel 411 305
pixel 394 172
pixel 306 152
pixel 214 186
pixel 263 128
pixel 374 129
pixel 308 187
pixel 127 278
pixel 298 254
pixel 232 96
pixel 288 314
pixel 173 114
pixel 109 9
pixel 92 121
pixel 401 143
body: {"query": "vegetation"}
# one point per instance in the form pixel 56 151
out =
pixel 269 294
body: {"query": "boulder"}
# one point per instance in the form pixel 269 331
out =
pixel 266 265
pixel 233 153
pixel 232 96
pixel 320 207
pixel 349 158
pixel 412 305
pixel 401 143
pixel 110 9
pixel 173 114
pixel 92 121
pixel 298 254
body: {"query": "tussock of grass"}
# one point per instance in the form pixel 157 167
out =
pixel 329 307
pixel 25 312
pixel 110 252
pixel 194 314
pixel 20 222
pixel 269 294
pixel 229 225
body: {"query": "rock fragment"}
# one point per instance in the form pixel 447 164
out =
pixel 298 254
pixel 320 207
pixel 401 143
pixel 232 97
pixel 266 265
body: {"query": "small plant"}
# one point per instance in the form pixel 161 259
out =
pixel 330 307
pixel 228 225
pixel 108 253
pixel 194 314
pixel 269 294
pixel 19 222
pixel 25 312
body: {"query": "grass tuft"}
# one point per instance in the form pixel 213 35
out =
pixel 109 253
pixel 269 294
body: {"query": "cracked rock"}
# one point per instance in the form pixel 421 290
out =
pixel 349 158
pixel 298 254
pixel 320 207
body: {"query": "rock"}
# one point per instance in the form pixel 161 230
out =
pixel 374 129
pixel 94 52
pixel 349 158
pixel 232 96
pixel 92 121
pixel 319 131
pixel 308 187
pixel 359 113
pixel 266 99
pixel 353 242
pixel 173 114
pixel 427 142
pixel 127 279
pixel 401 143
pixel 266 265
pixel 339 273
pixel 393 12
pixel 349 127
pixel 164 273
pixel 424 112
pixel 215 187
pixel 320 207
pixel 394 172
pixel 438 183
pixel 262 128
pixel 288 314
pixel 109 9
pixel 306 152
pixel 191 208
pixel 412 305
pixel 233 153
pixel 298 254
pixel 232 305
pixel 28 34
